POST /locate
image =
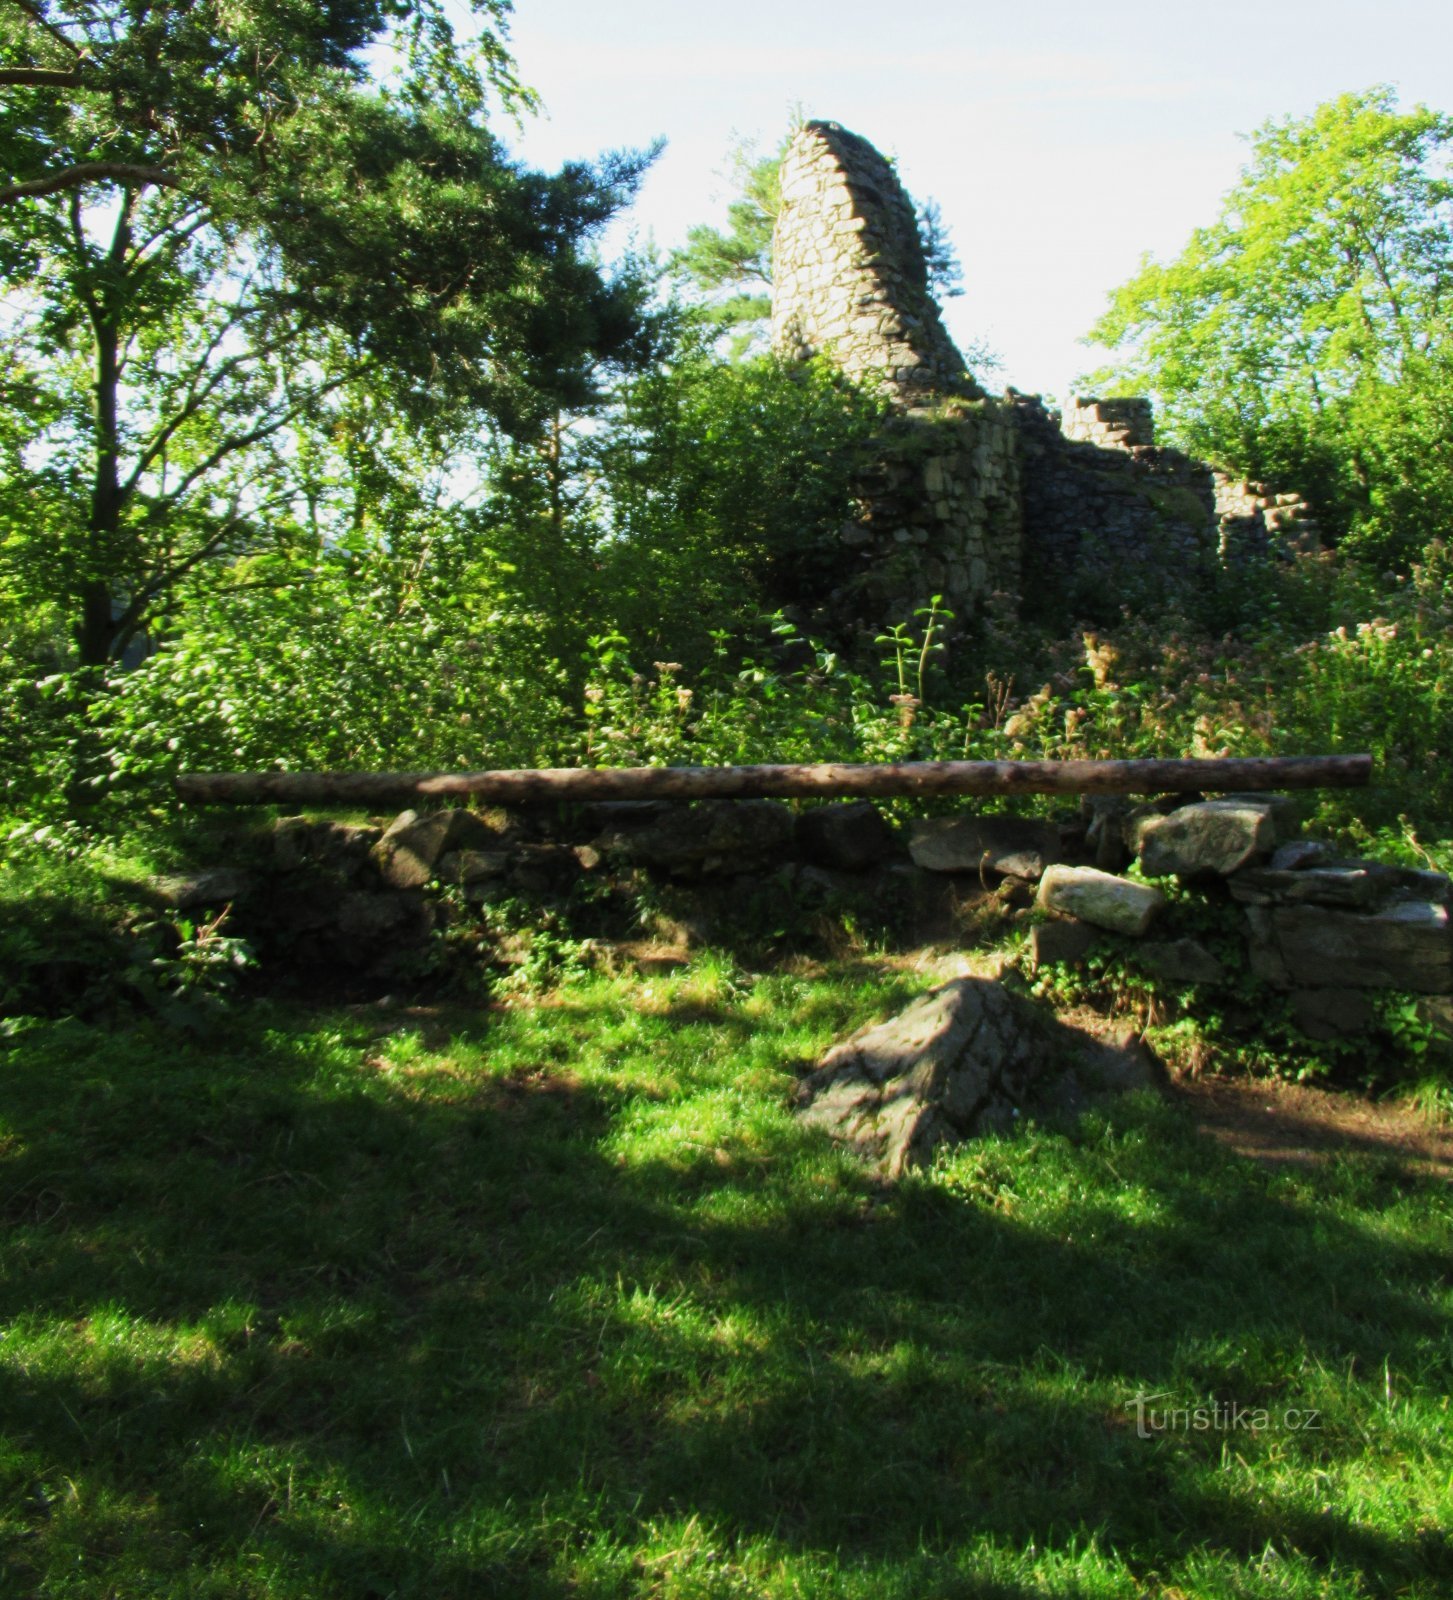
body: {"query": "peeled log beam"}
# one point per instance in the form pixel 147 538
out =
pixel 755 783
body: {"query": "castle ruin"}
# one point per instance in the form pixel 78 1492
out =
pixel 971 496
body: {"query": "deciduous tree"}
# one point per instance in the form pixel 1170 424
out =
pixel 1304 335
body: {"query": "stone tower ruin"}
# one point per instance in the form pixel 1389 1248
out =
pixel 848 270
pixel 938 510
pixel 970 497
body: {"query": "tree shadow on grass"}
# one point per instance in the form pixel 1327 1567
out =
pixel 297 1315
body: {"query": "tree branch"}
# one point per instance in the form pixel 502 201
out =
pixel 86 172
pixel 265 429
pixel 167 576
pixel 174 233
pixel 39 17
pixel 50 77
pixel 200 387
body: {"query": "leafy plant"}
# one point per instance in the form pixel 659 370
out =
pixel 206 962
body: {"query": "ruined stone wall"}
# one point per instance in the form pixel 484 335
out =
pixel 969 496
pixel 1100 492
pixel 1105 507
pixel 1119 424
pixel 849 276
pixel 938 510
pixel 938 513
pixel 1253 519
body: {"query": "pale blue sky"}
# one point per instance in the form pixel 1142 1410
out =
pixel 1060 140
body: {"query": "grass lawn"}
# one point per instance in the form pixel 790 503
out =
pixel 557 1300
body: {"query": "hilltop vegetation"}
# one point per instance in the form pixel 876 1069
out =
pixel 327 440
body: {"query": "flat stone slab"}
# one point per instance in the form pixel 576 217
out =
pixel 473 866
pixel 215 887
pixel 1407 945
pixel 1100 898
pixel 1354 885
pixel 1300 854
pixel 319 841
pixel 1350 887
pixel 1012 847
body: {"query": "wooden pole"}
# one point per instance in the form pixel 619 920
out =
pixel 903 778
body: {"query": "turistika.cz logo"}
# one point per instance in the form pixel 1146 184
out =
pixel 1220 1416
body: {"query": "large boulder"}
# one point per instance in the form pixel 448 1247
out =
pixel 412 846
pixel 1211 838
pixel 1012 847
pixel 954 1061
pixel 1099 898
pixel 963 1061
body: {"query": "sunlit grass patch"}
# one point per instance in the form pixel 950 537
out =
pixel 559 1298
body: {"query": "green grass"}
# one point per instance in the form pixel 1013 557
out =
pixel 558 1300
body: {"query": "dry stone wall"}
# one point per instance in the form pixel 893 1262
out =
pixel 1119 424
pixel 1275 927
pixel 1252 519
pixel 938 513
pixel 1103 502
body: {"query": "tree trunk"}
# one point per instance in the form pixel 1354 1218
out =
pixel 905 778
pixel 94 630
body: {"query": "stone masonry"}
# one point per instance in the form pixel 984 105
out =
pixel 1120 424
pixel 938 510
pixel 969 494
pixel 849 276
pixel 1104 504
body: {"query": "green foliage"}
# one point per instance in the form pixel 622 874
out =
pixel 703 494
pixel 905 653
pixel 1303 337
pixel 218 225
pixel 80 935
pixel 732 266
pixel 1242 1028
pixel 369 663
